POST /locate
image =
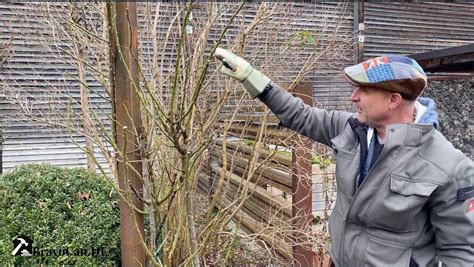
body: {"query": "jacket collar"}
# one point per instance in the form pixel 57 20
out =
pixel 397 134
pixel 405 134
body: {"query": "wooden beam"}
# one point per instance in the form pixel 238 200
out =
pixel 128 130
pixel 302 185
pixel 359 29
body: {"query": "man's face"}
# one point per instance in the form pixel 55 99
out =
pixel 372 105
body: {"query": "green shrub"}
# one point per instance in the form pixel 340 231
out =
pixel 69 211
pixel 322 161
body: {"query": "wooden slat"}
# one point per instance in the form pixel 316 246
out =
pixel 267 174
pixel 264 154
pixel 408 28
pixel 261 193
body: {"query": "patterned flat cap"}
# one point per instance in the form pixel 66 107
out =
pixel 391 73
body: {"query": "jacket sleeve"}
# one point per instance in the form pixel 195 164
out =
pixel 315 123
pixel 452 216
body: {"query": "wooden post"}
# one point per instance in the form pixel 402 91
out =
pixel 128 130
pixel 302 185
pixel 359 30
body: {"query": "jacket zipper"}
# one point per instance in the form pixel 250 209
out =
pixel 352 204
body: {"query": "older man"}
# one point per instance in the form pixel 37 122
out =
pixel 405 195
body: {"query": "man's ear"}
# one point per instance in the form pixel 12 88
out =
pixel 395 100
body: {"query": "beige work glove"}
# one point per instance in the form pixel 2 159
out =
pixel 237 68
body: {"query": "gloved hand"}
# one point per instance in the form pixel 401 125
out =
pixel 237 68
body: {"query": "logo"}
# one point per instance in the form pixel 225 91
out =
pixel 470 206
pixel 22 246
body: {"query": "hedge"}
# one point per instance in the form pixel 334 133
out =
pixel 71 215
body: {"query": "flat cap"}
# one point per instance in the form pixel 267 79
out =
pixel 392 73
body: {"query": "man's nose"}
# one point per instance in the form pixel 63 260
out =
pixel 355 95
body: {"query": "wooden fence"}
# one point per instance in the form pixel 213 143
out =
pixel 270 167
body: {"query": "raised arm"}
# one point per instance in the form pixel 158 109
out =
pixel 317 124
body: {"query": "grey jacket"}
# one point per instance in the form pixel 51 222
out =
pixel 413 207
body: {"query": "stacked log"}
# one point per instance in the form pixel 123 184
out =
pixel 454 105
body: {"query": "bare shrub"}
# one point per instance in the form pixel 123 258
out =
pixel 189 110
